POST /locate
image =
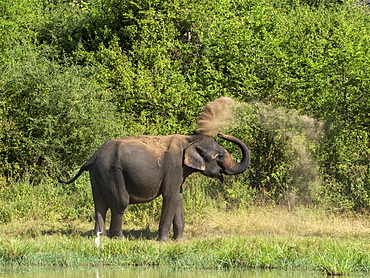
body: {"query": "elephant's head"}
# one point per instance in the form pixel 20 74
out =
pixel 211 159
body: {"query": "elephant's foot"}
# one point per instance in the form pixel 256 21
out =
pixel 166 238
pixel 179 238
pixel 163 238
pixel 115 233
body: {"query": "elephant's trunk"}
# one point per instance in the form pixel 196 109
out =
pixel 230 167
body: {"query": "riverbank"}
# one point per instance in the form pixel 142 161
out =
pixel 258 237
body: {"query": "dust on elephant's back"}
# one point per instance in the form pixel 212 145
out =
pixel 143 152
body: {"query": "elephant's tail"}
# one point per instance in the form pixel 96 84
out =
pixel 83 168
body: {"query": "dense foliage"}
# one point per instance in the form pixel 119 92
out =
pixel 77 73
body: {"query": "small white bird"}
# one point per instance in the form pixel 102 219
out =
pixel 97 239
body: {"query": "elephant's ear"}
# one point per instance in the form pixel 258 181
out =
pixel 193 159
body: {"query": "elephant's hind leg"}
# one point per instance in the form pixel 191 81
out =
pixel 100 215
pixel 115 229
pixel 118 205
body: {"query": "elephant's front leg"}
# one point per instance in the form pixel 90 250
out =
pixel 179 221
pixel 169 210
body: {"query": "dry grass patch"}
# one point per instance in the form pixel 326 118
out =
pixel 255 221
pixel 279 221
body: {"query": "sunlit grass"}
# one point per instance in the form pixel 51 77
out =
pixel 281 222
pixel 258 237
pixel 322 254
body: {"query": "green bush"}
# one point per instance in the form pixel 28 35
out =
pixel 77 73
pixel 24 199
pixel 54 117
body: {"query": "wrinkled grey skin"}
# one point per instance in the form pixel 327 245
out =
pixel 138 169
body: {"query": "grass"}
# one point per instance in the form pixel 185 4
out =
pixel 259 237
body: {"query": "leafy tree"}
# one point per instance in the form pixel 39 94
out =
pixel 54 117
pixel 76 73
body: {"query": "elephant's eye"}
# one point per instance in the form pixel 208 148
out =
pixel 200 151
pixel 220 156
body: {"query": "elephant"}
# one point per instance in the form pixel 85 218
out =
pixel 133 170
pixel 138 169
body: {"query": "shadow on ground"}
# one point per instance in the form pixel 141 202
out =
pixel 130 234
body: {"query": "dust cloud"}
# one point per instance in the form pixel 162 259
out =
pixel 301 134
pixel 215 116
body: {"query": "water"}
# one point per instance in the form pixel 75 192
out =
pixel 138 272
